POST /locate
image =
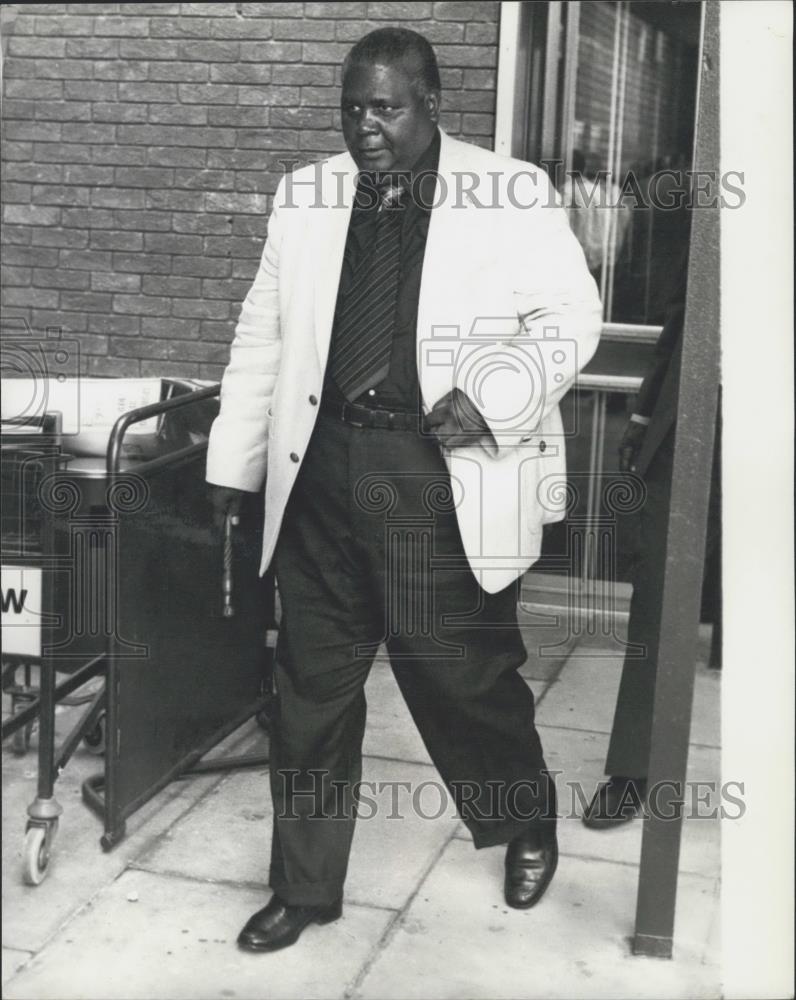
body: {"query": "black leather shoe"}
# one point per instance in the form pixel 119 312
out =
pixel 616 801
pixel 278 925
pixel 531 861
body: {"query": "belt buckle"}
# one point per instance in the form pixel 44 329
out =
pixel 348 419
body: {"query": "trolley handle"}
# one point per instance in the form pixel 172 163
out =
pixel 114 452
pixel 227 608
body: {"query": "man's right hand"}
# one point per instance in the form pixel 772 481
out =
pixel 630 445
pixel 225 500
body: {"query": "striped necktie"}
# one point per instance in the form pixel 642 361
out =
pixel 364 331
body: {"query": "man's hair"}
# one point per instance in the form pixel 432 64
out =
pixel 398 46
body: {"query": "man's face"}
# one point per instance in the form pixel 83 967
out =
pixel 386 125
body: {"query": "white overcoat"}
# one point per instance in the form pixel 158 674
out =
pixel 508 313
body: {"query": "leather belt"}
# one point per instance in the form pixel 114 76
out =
pixel 366 416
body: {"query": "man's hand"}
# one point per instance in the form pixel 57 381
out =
pixel 225 500
pixel 630 445
pixel 455 421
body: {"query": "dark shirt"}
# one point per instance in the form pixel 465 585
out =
pixel 399 390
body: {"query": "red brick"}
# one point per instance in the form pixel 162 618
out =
pixel 335 10
pixel 146 48
pixel 270 51
pixel 204 223
pixel 223 202
pixel 211 330
pixel 169 326
pixel 26 131
pixel 204 180
pixel 475 11
pixel 155 93
pixel 178 114
pixel 121 27
pixel 41 48
pixel 57 111
pixel 240 73
pixel 178 243
pixel 175 156
pixel 36 89
pixel 139 347
pixel 208 93
pixel 183 72
pixel 400 11
pixel 156 284
pixel 118 198
pixel 57 152
pixel 107 282
pixel 155 222
pixel 126 325
pixel 173 369
pixel 239 117
pixel 482 34
pixel 107 239
pixel 171 200
pixel 123 156
pixel 80 173
pixel 119 69
pixel 120 113
pixel 146 177
pixel 28 297
pixel 89 260
pixel 275 97
pixel 208 51
pixel 201 309
pixel 30 215
pixel 202 267
pixel 315 76
pixel 292 29
pixel 56 194
pixel 142 263
pixel 21 276
pixel 226 288
pixel 71 239
pixel 58 27
pixel 91 48
pixel 99 302
pixel 120 367
pixel 141 305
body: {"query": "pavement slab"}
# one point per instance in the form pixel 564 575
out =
pixel 228 836
pixel 13 960
pixel 177 940
pixel 458 939
pixel 579 758
pixel 79 867
pixel 584 697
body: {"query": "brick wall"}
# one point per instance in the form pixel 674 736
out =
pixel 141 146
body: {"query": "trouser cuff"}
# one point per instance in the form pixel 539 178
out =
pixel 307 893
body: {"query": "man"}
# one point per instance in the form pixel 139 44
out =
pixel 405 448
pixel 647 449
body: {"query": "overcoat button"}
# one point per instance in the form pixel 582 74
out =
pixel 542 446
pixel 314 400
pixel 293 457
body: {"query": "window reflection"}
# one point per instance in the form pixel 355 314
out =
pixel 630 147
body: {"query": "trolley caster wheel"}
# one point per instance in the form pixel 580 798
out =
pixel 20 741
pixel 94 741
pixel 36 853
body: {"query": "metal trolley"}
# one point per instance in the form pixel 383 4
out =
pixel 137 607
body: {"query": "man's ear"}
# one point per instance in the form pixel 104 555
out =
pixel 432 103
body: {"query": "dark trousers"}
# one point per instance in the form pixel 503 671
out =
pixel 370 553
pixel 629 747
